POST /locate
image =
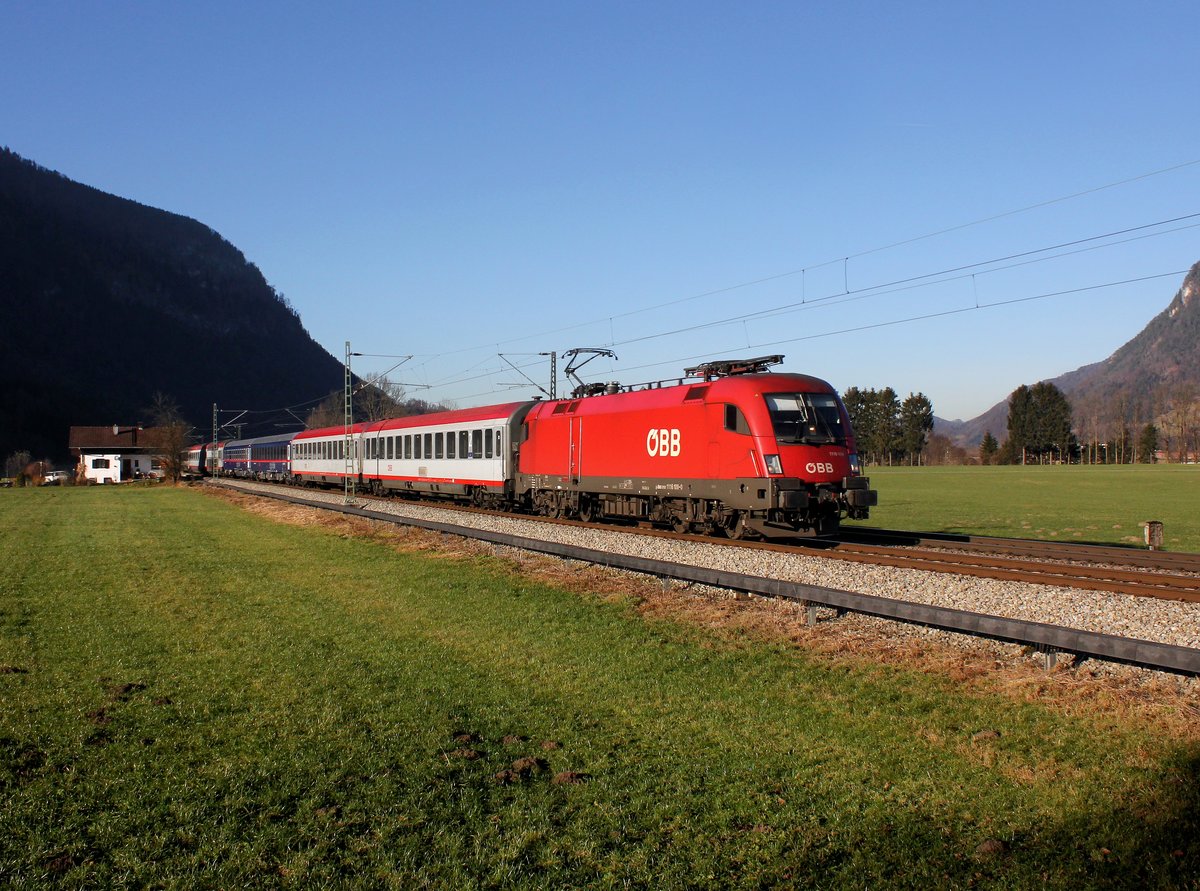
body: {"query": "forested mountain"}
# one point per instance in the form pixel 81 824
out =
pixel 107 302
pixel 1154 374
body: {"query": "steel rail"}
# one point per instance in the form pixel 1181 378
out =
pixel 1042 636
pixel 1056 550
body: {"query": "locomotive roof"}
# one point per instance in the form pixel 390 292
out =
pixel 732 388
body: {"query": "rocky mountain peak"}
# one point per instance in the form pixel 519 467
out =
pixel 1188 292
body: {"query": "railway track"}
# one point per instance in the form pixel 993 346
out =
pixel 1100 572
pixel 1166 561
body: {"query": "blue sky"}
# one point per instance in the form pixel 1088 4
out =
pixel 457 180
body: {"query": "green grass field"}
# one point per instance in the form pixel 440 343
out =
pixel 191 695
pixel 1102 504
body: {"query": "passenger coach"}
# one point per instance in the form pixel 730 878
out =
pixel 466 454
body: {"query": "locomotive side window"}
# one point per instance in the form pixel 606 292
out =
pixel 476 443
pixel 735 420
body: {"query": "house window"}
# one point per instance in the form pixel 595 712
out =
pixel 100 464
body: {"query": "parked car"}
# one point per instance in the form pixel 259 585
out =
pixel 56 478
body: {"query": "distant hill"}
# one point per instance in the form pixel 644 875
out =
pixel 106 302
pixel 1132 385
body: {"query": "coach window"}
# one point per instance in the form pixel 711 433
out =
pixel 437 445
pixel 450 444
pixel 487 443
pixel 735 420
pixel 428 446
pixel 499 451
pixel 476 443
pixel 408 446
pixel 463 443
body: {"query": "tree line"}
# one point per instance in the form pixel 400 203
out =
pixel 1042 428
pixel 887 430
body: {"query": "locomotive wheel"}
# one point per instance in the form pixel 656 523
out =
pixel 740 531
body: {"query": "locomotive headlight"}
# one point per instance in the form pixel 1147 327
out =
pixel 773 464
pixel 855 467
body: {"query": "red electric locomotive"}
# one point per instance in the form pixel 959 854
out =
pixel 739 451
pixel 735 450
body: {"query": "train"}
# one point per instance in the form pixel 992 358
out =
pixel 731 449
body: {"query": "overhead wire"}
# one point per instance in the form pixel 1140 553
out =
pixel 845 259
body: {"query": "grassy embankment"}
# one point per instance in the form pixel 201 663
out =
pixel 192 695
pixel 1101 504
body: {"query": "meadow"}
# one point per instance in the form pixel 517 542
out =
pixel 1104 504
pixel 192 695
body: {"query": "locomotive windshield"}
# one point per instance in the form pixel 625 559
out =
pixel 810 418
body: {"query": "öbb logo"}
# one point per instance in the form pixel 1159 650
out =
pixel 662 443
pixel 818 467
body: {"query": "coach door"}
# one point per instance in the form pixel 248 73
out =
pixel 575 447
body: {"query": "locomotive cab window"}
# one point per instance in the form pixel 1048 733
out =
pixel 735 420
pixel 811 418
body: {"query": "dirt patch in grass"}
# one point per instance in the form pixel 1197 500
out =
pixel 1113 693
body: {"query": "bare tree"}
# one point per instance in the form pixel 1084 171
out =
pixel 170 434
pixel 382 398
pixel 329 412
pixel 14 466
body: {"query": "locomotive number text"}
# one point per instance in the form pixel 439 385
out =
pixel 662 443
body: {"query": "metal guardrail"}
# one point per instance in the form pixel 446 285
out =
pixel 1049 639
